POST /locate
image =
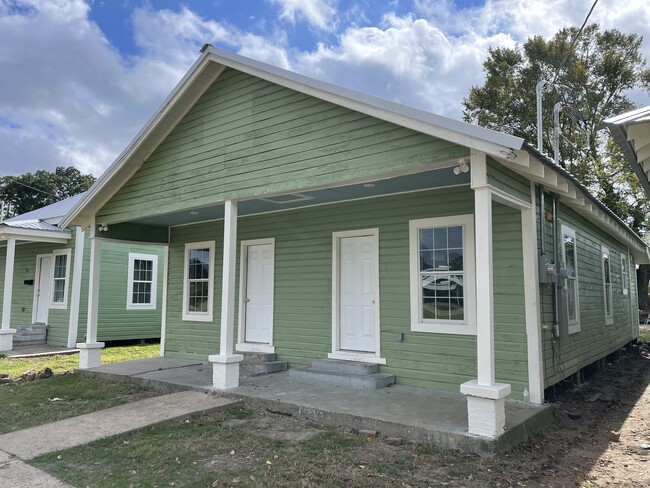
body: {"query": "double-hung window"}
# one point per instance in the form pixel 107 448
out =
pixel 625 275
pixel 60 279
pixel 142 284
pixel 198 285
pixel 569 256
pixel 442 275
pixel 607 286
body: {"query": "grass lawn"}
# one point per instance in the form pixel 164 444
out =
pixel 243 449
pixel 29 403
pixel 37 402
pixel 62 363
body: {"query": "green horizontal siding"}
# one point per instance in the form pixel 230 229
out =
pixel 508 181
pixel 303 288
pixel 563 357
pixel 115 322
pixel 248 137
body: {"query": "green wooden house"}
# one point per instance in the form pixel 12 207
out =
pixel 45 271
pixel 317 223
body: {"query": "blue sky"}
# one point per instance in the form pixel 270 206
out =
pixel 80 77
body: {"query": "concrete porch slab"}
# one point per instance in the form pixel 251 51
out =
pixel 39 351
pixel 414 414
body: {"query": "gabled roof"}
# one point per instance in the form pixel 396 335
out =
pixel 207 69
pixel 631 131
pixel 511 151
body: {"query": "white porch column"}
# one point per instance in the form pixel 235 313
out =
pixel 73 324
pixel 6 332
pixel 485 398
pixel 90 351
pixel 531 294
pixel 225 365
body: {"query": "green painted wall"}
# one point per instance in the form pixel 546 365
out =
pixel 303 288
pixel 247 137
pixel 508 181
pixel 563 357
pixel 115 322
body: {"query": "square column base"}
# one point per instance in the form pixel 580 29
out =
pixel 486 408
pixel 89 354
pixel 225 370
pixel 7 339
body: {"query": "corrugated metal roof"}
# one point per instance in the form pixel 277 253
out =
pixel 631 131
pixel 31 224
pixel 57 210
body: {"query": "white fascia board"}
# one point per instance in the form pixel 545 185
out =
pixel 34 235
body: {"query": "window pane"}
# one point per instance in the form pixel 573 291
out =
pixel 571 300
pixel 606 268
pixel 441 261
pixel 199 267
pixel 440 237
pixel 442 297
pixel 59 291
pixel 426 239
pixel 426 260
pixel 60 262
pixel 198 296
pixel 455 236
pixel 455 259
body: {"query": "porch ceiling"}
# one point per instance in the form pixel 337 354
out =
pixel 434 178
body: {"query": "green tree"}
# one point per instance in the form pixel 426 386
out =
pixel 592 79
pixel 30 191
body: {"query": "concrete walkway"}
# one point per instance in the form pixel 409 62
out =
pixel 39 351
pixel 22 445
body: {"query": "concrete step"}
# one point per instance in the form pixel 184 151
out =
pixel 247 369
pixel 258 357
pixel 371 381
pixel 259 363
pixel 341 366
pixel 30 335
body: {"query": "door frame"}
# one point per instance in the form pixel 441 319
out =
pixel 37 283
pixel 337 353
pixel 243 346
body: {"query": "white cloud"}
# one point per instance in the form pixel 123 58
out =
pixel 67 96
pixel 318 13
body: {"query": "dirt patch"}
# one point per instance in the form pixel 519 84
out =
pixel 277 427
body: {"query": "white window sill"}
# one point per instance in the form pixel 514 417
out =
pixel 460 329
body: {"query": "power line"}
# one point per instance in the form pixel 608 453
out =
pixel 15 180
pixel 573 43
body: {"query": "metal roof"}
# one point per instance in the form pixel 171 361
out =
pixel 55 211
pixel 631 131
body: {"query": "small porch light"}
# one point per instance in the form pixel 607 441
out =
pixel 462 167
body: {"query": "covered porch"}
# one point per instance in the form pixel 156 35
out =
pixel 13 234
pixel 410 413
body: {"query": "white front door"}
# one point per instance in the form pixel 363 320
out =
pixel 43 291
pixel 258 301
pixel 358 293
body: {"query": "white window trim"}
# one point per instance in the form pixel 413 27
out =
pixel 468 326
pixel 625 268
pixel 198 316
pixel 609 319
pixel 64 304
pixel 154 282
pixel 574 325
